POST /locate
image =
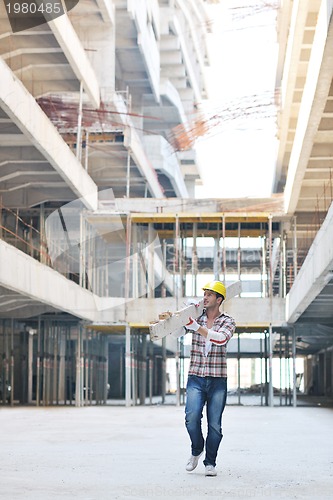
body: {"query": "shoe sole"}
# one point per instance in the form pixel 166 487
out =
pixel 212 473
pixel 196 465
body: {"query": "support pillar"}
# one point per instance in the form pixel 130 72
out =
pixel 30 360
pixel 79 126
pixel 238 370
pixel 216 262
pixel 62 365
pixel 295 247
pixel 177 357
pixel 294 369
pixel 239 252
pixel 194 260
pixel 12 365
pixel 42 239
pixel 270 367
pixel 79 370
pixel 224 250
pixel 151 271
pixel 164 360
pixel 128 366
pixel 270 344
pixel 143 370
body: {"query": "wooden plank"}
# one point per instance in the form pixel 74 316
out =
pixel 174 323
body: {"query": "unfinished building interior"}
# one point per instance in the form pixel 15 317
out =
pixel 100 230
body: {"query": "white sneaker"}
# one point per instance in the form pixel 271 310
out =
pixel 193 462
pixel 210 470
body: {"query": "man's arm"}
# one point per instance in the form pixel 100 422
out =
pixel 221 337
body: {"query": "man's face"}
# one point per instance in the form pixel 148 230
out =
pixel 210 299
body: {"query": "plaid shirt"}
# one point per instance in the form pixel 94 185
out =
pixel 215 363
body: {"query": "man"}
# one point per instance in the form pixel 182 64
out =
pixel 207 376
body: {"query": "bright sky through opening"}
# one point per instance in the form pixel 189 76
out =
pixel 238 158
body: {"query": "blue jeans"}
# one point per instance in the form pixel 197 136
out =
pixel 211 391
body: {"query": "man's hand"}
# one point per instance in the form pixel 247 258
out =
pixel 192 325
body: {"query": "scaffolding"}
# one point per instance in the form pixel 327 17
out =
pixel 67 361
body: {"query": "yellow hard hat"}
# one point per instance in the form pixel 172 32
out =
pixel 217 287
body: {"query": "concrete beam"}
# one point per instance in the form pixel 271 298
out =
pixel 247 312
pixel 70 43
pixel 158 150
pixel 25 275
pixel 137 152
pixel 187 60
pixel 313 103
pixel 22 108
pixel 107 9
pixel 290 73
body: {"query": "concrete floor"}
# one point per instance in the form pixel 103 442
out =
pixel 96 453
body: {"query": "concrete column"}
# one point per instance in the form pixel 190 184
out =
pixel 79 126
pixel 12 363
pixel 261 372
pixel 224 270
pixel 128 360
pixel 270 367
pixel 176 262
pixel 45 362
pixel 42 247
pixel 135 107
pixel 194 260
pixel 270 345
pixel 216 262
pixel 331 353
pixel 128 382
pixel 135 266
pixel 239 252
pixel 238 370
pixel 105 368
pixel 143 370
pixel 281 282
pixel 263 270
pixel 134 366
pixel 39 334
pixel 151 271
pixel 151 371
pixel 164 360
pixel 284 266
pixel 101 42
pixel 294 368
pixel 295 247
pixel 30 360
pixel 62 365
pixel 325 372
pixel 78 376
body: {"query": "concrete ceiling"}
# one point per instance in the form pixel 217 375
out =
pixel 305 125
pixel 39 63
pixel 305 158
pixel 45 66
